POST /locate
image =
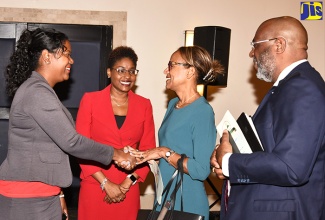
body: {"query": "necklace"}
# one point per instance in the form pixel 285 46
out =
pixel 185 102
pixel 118 105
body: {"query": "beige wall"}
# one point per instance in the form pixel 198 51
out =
pixel 156 28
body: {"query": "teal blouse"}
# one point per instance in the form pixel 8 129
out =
pixel 189 130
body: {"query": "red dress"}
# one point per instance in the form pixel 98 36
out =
pixel 96 120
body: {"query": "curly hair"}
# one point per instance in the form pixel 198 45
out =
pixel 122 52
pixel 206 68
pixel 29 48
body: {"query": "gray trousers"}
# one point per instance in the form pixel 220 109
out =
pixel 40 208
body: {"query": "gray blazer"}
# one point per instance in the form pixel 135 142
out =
pixel 42 134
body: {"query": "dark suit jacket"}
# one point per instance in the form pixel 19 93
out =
pixel 42 134
pixel 287 180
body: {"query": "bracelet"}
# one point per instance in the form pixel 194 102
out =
pixel 61 195
pixel 168 159
pixel 103 184
pixel 126 189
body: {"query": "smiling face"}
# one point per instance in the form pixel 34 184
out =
pixel 176 73
pixel 55 67
pixel 64 62
pixel 122 82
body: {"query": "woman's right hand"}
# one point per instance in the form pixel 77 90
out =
pixel 152 154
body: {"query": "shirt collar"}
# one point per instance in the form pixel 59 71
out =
pixel 287 70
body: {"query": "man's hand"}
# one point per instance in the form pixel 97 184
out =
pixel 216 168
pixel 218 153
pixel 223 148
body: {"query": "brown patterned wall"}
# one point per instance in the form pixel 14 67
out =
pixel 117 19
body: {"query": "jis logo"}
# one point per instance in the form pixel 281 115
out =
pixel 311 10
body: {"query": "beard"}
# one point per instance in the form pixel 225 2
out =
pixel 265 66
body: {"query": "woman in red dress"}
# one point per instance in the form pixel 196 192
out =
pixel 118 117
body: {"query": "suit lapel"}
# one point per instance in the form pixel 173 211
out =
pixel 131 115
pixel 264 101
pixel 106 112
pixel 274 89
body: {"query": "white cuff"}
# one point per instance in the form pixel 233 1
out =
pixel 225 164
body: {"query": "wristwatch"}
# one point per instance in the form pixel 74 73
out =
pixel 169 153
pixel 133 178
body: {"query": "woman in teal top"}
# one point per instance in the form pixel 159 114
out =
pixel 191 131
pixel 188 127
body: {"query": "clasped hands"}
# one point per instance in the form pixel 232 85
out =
pixel 128 158
pixel 124 159
pixel 116 193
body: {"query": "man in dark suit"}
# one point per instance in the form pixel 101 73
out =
pixel 287 180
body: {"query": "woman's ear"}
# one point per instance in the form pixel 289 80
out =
pixel 108 71
pixel 191 72
pixel 45 57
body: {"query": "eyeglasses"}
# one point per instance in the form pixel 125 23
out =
pixel 67 53
pixel 122 71
pixel 171 64
pixel 261 41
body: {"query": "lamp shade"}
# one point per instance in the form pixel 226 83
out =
pixel 189 37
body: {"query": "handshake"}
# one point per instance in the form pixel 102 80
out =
pixel 128 158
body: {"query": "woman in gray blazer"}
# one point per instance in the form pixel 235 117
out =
pixel 42 132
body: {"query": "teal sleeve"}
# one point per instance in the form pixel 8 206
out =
pixel 204 140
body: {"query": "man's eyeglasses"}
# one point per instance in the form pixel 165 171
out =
pixel 122 71
pixel 171 64
pixel 261 41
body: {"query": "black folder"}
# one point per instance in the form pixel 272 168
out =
pixel 234 146
pixel 249 133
